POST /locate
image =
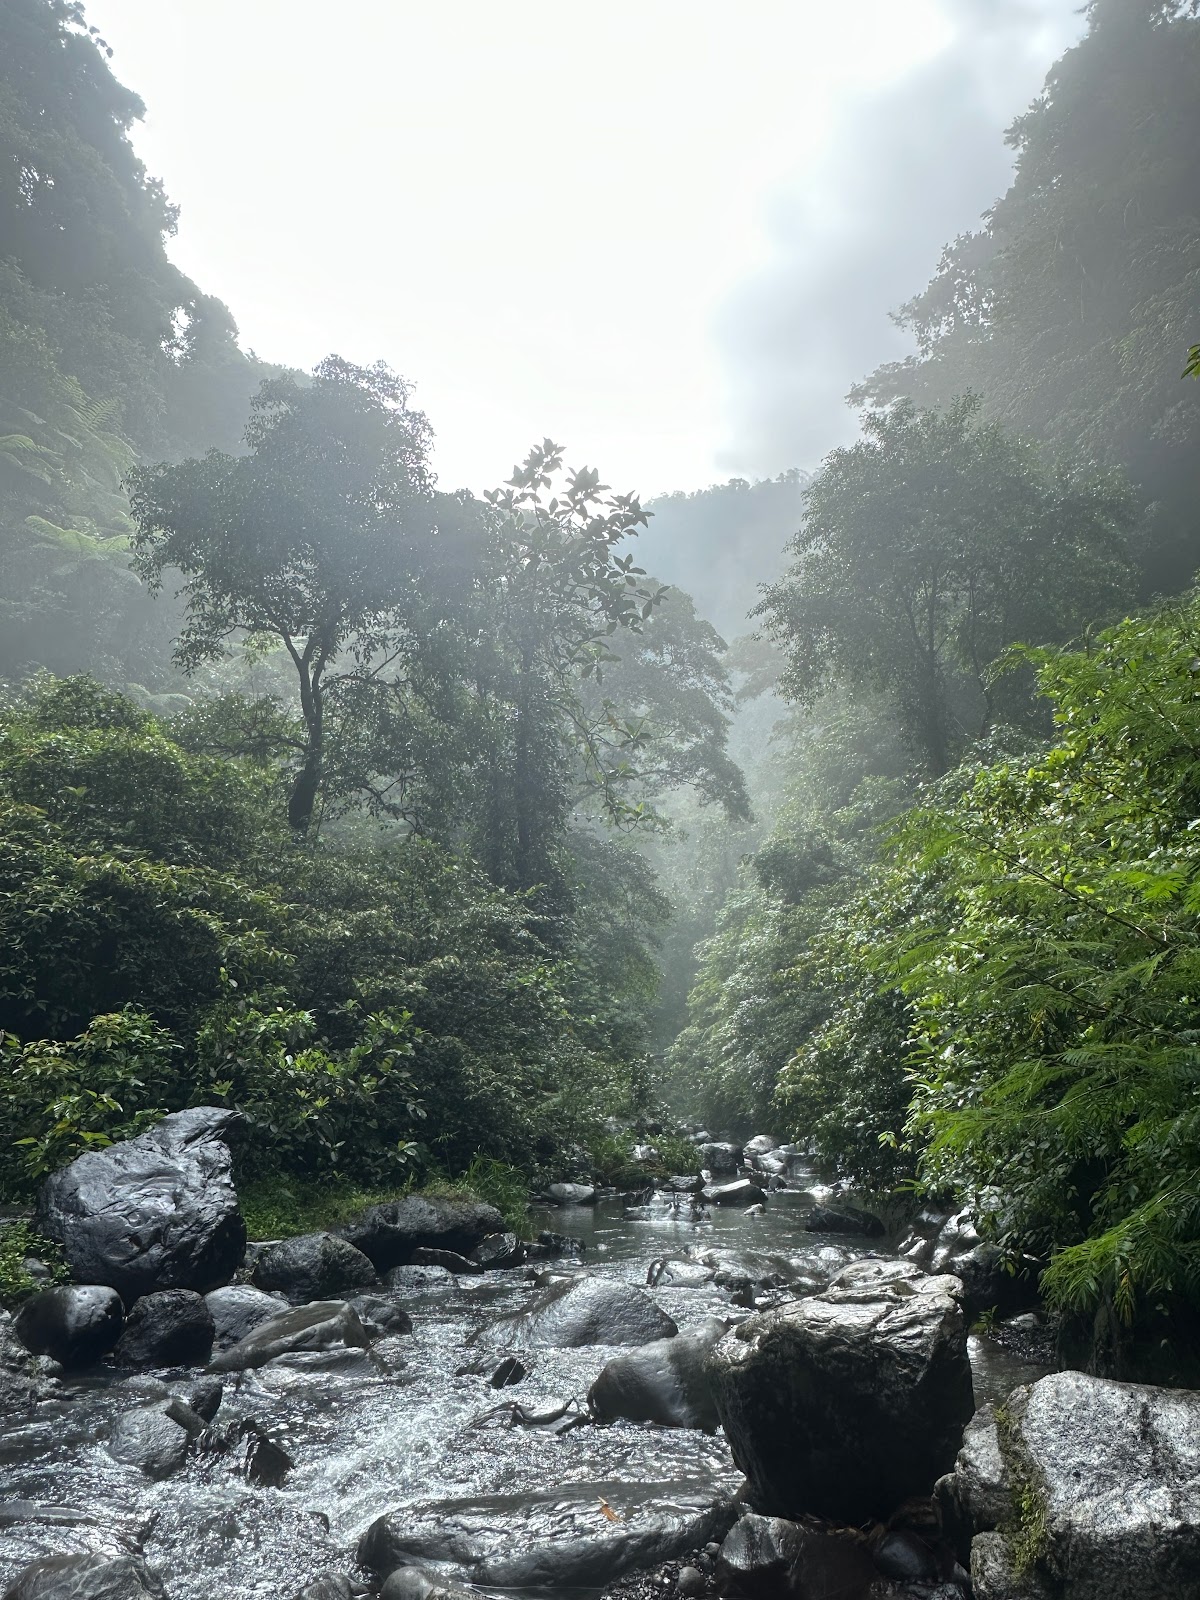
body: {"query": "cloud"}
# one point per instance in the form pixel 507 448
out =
pixel 902 173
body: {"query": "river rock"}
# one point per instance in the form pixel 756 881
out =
pixel 685 1183
pixel 173 1328
pixel 720 1159
pixel 827 1219
pixel 152 1439
pixel 460 1266
pixel 322 1325
pixel 664 1382
pixel 1101 1480
pixel 237 1309
pixel 18 1378
pixel 740 1193
pixel 156 1212
pixel 571 1194
pixel 389 1233
pixel 85 1577
pixel 760 1145
pixel 382 1318
pixel 73 1324
pixel 581 1311
pixel 847 1402
pixel 402 1278
pixel 415 1583
pixel 555 1540
pixel 498 1252
pixel 313 1266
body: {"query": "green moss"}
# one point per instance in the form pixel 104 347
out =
pixel 1028 1533
pixel 18 1240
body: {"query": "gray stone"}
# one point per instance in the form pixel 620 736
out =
pixel 313 1266
pixel 828 1219
pixel 156 1212
pixel 571 1194
pixel 1101 1478
pixel 685 1183
pixel 321 1326
pixel 996 1574
pixel 761 1144
pixel 382 1318
pixel 74 1324
pixel 418 1278
pixel 498 1252
pixel 149 1439
pixel 389 1233
pixel 740 1193
pixel 415 1583
pixel 556 1540
pixel 719 1158
pixel 850 1401
pixel 18 1378
pixel 239 1308
pixel 581 1311
pixel 460 1266
pixel 173 1328
pixel 664 1382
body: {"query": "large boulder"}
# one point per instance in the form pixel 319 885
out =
pixel 571 1194
pixel 313 1266
pixel 557 1540
pixel 389 1233
pixel 722 1160
pixel 760 1145
pixel 74 1324
pixel 498 1252
pixel 156 1212
pixel 85 1577
pixel 843 1219
pixel 1084 1489
pixel 323 1325
pixel 739 1193
pixel 237 1309
pixel 173 1328
pixel 664 1382
pixel 847 1402
pixel 581 1311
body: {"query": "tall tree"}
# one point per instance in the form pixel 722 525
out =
pixel 926 549
pixel 323 538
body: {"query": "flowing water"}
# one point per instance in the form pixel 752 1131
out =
pixel 399 1428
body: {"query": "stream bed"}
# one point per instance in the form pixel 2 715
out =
pixel 405 1427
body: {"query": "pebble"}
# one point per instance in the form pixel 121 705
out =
pixel 690 1581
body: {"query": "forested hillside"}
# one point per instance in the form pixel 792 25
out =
pixel 428 828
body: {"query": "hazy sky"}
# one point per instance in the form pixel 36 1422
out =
pixel 665 232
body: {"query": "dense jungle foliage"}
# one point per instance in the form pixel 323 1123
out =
pixel 431 830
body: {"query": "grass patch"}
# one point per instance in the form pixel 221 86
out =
pixel 18 1240
pixel 282 1206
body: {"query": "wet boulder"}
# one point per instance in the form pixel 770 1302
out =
pixel 740 1193
pixel 760 1145
pixel 388 1234
pixel 498 1252
pixel 416 1583
pixel 685 1183
pixel 156 1212
pixel 571 1194
pixel 847 1402
pixel 18 1379
pixel 664 1382
pixel 382 1318
pixel 721 1159
pixel 247 1451
pixel 173 1328
pixel 323 1325
pixel 1097 1482
pixel 461 1266
pixel 155 1438
pixel 313 1266
pixel 74 1324
pixel 557 1540
pixel 85 1577
pixel 581 1311
pixel 416 1278
pixel 237 1309
pixel 843 1219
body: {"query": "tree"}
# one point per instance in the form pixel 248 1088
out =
pixel 325 537
pixel 926 549
pixel 1066 310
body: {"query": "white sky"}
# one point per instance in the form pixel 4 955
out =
pixel 535 211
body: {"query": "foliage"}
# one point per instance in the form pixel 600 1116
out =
pixel 280 1206
pixel 926 549
pixel 1066 311
pixel 494 1182
pixel 1053 994
pixel 614 1165
pixel 18 1242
